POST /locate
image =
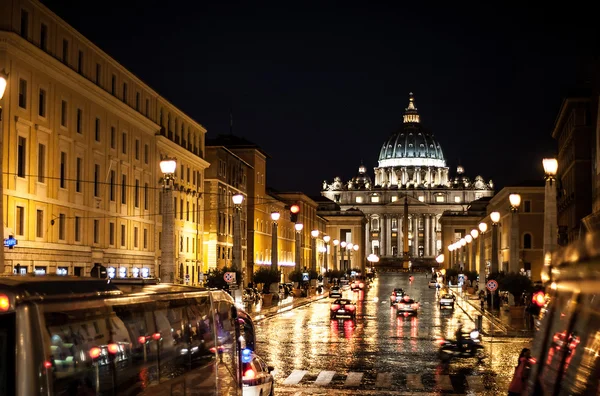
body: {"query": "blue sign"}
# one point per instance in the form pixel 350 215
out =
pixel 461 279
pixel 10 242
pixel 305 276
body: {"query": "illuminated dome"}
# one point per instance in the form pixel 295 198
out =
pixel 412 145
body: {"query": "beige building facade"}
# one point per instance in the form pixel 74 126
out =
pixel 81 145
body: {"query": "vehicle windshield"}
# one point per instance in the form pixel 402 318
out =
pixel 342 301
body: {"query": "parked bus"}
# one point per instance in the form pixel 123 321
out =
pixel 74 336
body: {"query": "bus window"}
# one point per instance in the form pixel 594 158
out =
pixel 227 333
pixel 7 354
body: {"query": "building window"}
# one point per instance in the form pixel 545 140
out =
pixel 174 207
pixel 421 198
pixel 136 194
pixel 113 187
pixel 78 171
pixel 20 221
pixel 439 198
pixel 42 104
pixel 39 230
pixel 97 130
pixel 187 211
pixel 77 229
pixel 41 163
pixel 63 169
pixel 113 138
pixel 44 37
pixel 527 206
pixel 21 156
pixel 123 235
pixel 146 196
pixel 63 113
pixel 145 238
pixel 79 125
pixel 80 62
pixel 96 180
pixel 135 237
pixel 65 51
pixel 527 241
pixel 96 231
pixel 22 93
pixel 124 143
pixel 62 224
pixel 124 189
pixel 457 199
pixel 146 154
pixel 137 149
pixel 181 209
pixel 375 198
pixel 125 92
pixel 111 234
pixel 359 199
pixel 137 101
pixel 24 24
pixel 113 85
pixel 394 198
pixel 98 73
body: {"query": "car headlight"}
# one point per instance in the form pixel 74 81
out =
pixel 474 334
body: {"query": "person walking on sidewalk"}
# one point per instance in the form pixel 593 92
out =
pixel 517 385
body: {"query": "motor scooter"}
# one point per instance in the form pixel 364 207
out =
pixel 471 347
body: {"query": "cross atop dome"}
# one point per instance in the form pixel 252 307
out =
pixel 411 114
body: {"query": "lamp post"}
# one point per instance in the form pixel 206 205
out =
pixel 326 239
pixel 360 263
pixel 550 216
pixel 237 236
pixel 314 234
pixel 495 217
pixel 463 249
pixel 343 262
pixel 3 84
pixel 167 255
pixel 515 201
pixel 349 247
pixel 482 264
pixel 275 218
pixel 298 227
pixel 468 249
pixel 451 250
pixel 474 266
pixel 335 246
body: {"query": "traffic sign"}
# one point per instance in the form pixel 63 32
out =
pixel 305 277
pixel 187 278
pixel 229 277
pixel 492 285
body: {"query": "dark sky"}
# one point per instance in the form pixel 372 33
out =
pixel 320 86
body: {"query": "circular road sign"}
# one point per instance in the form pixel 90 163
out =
pixel 229 277
pixel 492 285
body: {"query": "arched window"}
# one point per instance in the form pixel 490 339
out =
pixel 527 243
pixel 375 224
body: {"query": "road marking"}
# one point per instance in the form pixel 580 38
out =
pixel 443 382
pixel 353 379
pixel 295 377
pixel 324 377
pixel 413 381
pixel 384 380
pixel 475 383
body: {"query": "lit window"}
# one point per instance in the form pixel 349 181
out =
pixel 439 198
pixel 375 198
pixel 394 198
pixel 421 198
pixel 457 199
pixel 359 199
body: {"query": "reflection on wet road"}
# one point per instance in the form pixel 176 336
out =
pixel 380 352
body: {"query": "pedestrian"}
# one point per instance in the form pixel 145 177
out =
pixel 519 381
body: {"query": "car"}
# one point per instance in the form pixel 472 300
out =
pixel 344 284
pixel 335 292
pixel 407 306
pixel 396 296
pixel 432 284
pixel 342 307
pixel 357 285
pixel 257 379
pixel 447 301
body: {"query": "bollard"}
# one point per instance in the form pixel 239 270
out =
pixel 480 322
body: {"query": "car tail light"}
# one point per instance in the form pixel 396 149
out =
pixel 113 348
pixel 393 294
pixel 249 374
pixel 335 307
pixel 95 352
pixel 350 307
pixel 156 336
pixel 4 303
pixel 405 314
pixel 142 339
pixel 440 341
pixel 213 349
pixel 47 364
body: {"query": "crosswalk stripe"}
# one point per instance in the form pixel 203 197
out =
pixel 353 379
pixel 475 383
pixel 413 381
pixel 324 377
pixel 384 380
pixel 443 382
pixel 295 377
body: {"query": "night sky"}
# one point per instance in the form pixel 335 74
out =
pixel 320 86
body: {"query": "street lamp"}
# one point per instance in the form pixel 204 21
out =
pixel 495 217
pixel 326 239
pixel 274 217
pixel 298 227
pixel 335 262
pixel 482 264
pixel 515 201
pixel 237 238
pixel 440 259
pixel 550 216
pixel 3 84
pixel 314 234
pixel 342 251
pixel 474 235
pixel 167 256
pixel 372 259
pixel 468 263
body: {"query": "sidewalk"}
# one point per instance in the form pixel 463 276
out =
pixel 259 312
pixel 500 320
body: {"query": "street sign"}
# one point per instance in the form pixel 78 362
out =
pixel 229 277
pixel 492 285
pixel 187 278
pixel 461 279
pixel 305 277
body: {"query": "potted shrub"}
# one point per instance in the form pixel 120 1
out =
pixel 516 285
pixel 296 278
pixel 267 277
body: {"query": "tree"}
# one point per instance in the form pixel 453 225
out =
pixel 515 284
pixel 295 276
pixel 334 274
pixel 266 276
pixel 451 273
pixel 216 277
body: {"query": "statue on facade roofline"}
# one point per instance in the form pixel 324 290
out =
pixel 337 184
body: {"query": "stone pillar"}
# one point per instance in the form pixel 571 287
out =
pixel 388 235
pixel 426 243
pixel 434 223
pixel 513 264
pixel 429 181
pixel 415 219
pixel 439 176
pixel 399 236
pixel 550 220
pixel 404 175
pixel 417 175
pixel 367 249
pixel 382 234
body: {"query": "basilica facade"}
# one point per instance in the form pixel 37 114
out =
pixel 412 187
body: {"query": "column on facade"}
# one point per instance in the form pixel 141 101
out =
pixel 433 238
pixel 399 243
pixel 415 222
pixel 418 175
pixel 382 235
pixel 367 248
pixel 429 182
pixel 426 235
pixel 404 175
pixel 388 241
